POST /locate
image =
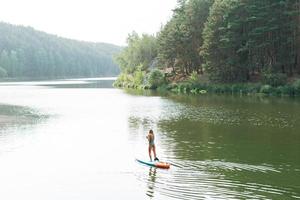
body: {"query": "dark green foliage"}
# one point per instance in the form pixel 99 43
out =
pixel 296 86
pixel 242 38
pixel 140 53
pixel 202 88
pixel 25 52
pixel 219 47
pixel 138 58
pixel 136 80
pixel 194 78
pixel 241 89
pixel 180 39
pixel 286 90
pixel 267 89
pixel 233 42
pixel 156 79
pixel 275 80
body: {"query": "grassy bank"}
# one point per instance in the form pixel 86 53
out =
pixel 156 80
pixel 237 88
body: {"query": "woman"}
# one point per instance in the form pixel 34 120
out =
pixel 150 138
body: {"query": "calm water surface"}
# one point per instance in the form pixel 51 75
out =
pixel 78 139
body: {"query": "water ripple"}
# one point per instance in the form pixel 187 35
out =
pixel 223 115
pixel 199 180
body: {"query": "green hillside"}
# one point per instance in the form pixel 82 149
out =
pixel 28 53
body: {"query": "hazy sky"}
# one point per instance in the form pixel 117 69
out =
pixel 90 20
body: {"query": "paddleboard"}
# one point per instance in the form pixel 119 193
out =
pixel 157 164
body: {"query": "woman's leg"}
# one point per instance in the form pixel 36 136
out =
pixel 154 151
pixel 149 151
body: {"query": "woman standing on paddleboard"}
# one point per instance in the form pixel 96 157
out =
pixel 150 138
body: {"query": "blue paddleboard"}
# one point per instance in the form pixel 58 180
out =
pixel 157 164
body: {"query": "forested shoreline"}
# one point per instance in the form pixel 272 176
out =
pixel 248 46
pixel 26 53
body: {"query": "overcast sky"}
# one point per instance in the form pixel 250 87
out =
pixel 90 20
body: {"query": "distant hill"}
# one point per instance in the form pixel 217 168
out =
pixel 28 53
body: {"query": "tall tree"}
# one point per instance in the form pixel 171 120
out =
pixel 141 52
pixel 250 36
pixel 179 41
pixel 218 49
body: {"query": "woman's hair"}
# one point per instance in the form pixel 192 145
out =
pixel 150 131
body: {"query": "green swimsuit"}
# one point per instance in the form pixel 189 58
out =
pixel 151 142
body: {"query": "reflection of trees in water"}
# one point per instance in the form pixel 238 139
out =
pixel 194 140
pixel 15 120
pixel 151 182
pixel 216 139
pixel 87 84
pixel 190 140
pixel 231 127
pixel 17 116
pixel 138 125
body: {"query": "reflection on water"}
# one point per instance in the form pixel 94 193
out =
pixel 18 116
pixel 223 147
pixel 151 182
pixel 105 82
pixel 78 139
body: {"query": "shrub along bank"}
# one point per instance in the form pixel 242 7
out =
pixel 273 85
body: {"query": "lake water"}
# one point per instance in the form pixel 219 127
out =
pixel 78 139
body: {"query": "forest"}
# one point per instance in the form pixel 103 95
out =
pixel 218 42
pixel 28 53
